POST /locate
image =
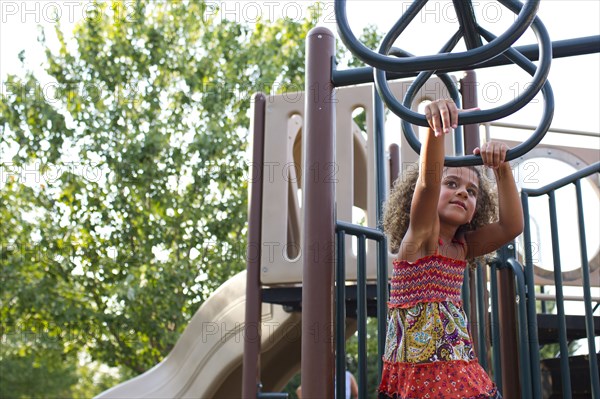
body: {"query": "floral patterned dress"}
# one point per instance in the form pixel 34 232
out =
pixel 429 351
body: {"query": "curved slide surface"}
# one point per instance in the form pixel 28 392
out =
pixel 206 361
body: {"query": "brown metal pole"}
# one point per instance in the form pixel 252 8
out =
pixel 511 386
pixel 506 285
pixel 251 362
pixel 394 163
pixel 468 90
pixel 318 238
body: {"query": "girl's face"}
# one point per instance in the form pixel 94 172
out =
pixel 458 195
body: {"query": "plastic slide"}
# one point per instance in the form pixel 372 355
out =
pixel 206 361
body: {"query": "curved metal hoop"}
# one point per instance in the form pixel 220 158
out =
pixel 444 77
pixel 513 153
pixel 384 63
pixel 404 111
pixel 439 61
pixel 539 81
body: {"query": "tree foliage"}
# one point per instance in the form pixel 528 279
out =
pixel 124 192
pixel 124 200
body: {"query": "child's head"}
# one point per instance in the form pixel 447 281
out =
pixel 397 208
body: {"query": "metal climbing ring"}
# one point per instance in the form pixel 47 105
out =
pixel 439 61
pixel 404 110
pixel 444 60
pixel 540 74
pixel 446 80
pixel 513 153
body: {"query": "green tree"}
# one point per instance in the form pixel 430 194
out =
pixel 124 205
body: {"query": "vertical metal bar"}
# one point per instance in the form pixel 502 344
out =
pixel 361 308
pixel 525 365
pixel 468 91
pixel 543 309
pixel 382 272
pixel 379 140
pixel 470 299
pixel 481 315
pixel 560 302
pixel 251 360
pixel 318 238
pixel 511 374
pixel 495 327
pixel 466 292
pixel 340 317
pixel 585 274
pixel 468 23
pixel 534 348
pixel 472 316
pixel 382 300
pixel 394 150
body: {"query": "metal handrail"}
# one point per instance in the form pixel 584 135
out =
pixel 570 179
pixel 519 126
pixel 549 190
pixel 362 233
pixel 529 372
pixel 552 297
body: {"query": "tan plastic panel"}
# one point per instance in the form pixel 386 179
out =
pixel 353 172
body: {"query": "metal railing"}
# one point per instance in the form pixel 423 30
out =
pixel 362 234
pixel 528 362
pixel 529 376
pixel 524 282
pixel 525 299
pixel 550 191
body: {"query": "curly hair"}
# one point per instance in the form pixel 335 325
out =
pixel 396 213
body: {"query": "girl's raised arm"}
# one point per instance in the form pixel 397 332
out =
pixel 423 230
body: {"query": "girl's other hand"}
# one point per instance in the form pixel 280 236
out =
pixel 493 154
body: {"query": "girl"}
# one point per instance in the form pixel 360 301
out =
pixel 436 220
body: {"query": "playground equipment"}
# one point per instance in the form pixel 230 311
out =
pixel 317 280
pixel 316 165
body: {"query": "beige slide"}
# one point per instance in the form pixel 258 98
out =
pixel 206 361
